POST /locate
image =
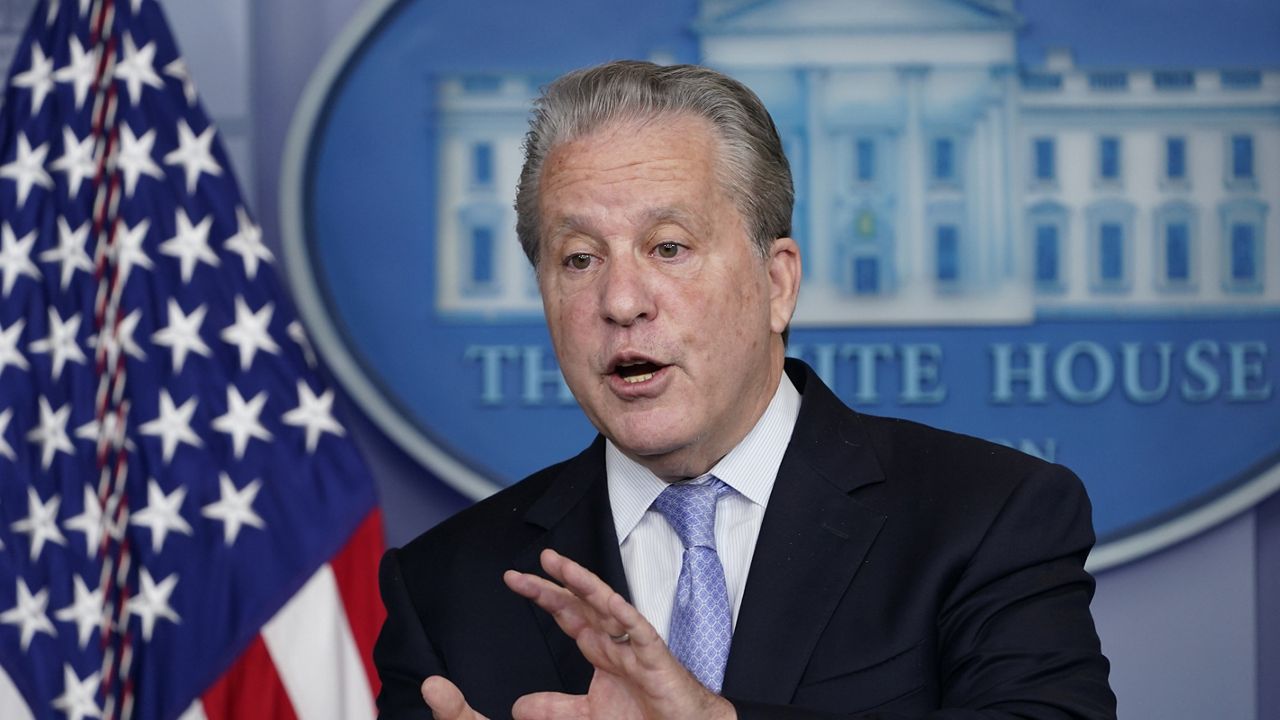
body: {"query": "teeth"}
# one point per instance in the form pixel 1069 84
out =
pixel 638 378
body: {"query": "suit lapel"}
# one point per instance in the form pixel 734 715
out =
pixel 578 520
pixel 813 540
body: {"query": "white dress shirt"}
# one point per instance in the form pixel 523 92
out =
pixel 652 551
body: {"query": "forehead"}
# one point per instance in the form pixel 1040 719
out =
pixel 670 157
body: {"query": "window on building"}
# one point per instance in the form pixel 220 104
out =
pixel 1174 80
pixel 1041 81
pixel 1047 229
pixel 482 260
pixel 1111 252
pixel 1175 159
pixel 866 275
pixel 1175 238
pixel 1109 80
pixel 1043 160
pixel 1047 255
pixel 1243 244
pixel 1109 158
pixel 948 253
pixel 1110 224
pixel 1241 157
pixel 1244 253
pixel 1177 252
pixel 482 164
pixel 865 160
pixel 1241 79
pixel 944 160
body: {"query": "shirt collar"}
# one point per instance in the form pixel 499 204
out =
pixel 750 468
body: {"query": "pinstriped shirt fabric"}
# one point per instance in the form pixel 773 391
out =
pixel 652 551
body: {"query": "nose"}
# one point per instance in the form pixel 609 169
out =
pixel 626 297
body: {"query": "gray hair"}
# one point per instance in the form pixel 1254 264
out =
pixel 753 169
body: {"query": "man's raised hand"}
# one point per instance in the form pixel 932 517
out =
pixel 636 675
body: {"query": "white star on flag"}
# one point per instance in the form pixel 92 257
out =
pixel 79 71
pixel 234 508
pixel 194 153
pixel 178 70
pixel 70 251
pixel 247 243
pixel 315 413
pixel 89 522
pixel 27 168
pixel 173 425
pixel 249 332
pixel 162 514
pixel 60 343
pixel 241 420
pixel 182 334
pixel 190 244
pixel 29 614
pixel 15 257
pixel 5 448
pixel 298 335
pixel 110 432
pixel 128 252
pixel 137 68
pixel 152 602
pixel 122 338
pixel 52 432
pixel 38 77
pixel 135 158
pixel 76 161
pixel 9 353
pixel 41 522
pixel 79 697
pixel 85 611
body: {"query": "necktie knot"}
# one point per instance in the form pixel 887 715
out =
pixel 690 509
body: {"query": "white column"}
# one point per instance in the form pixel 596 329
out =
pixel 977 192
pixel 820 178
pixel 910 240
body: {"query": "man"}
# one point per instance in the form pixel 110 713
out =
pixel 800 559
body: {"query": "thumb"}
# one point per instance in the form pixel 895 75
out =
pixel 446 701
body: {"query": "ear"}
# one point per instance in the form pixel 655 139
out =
pixel 784 281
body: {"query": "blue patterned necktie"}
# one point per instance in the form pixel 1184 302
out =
pixel 701 617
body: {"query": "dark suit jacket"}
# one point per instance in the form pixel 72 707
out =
pixel 899 570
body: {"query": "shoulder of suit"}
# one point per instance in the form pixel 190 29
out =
pixel 484 523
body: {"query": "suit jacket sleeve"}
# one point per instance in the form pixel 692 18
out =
pixel 403 654
pixel 1014 632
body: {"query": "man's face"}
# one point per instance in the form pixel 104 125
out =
pixel 665 320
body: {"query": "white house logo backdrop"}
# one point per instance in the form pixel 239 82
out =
pixel 1044 224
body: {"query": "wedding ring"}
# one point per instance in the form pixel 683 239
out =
pixel 620 639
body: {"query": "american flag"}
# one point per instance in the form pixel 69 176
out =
pixel 186 528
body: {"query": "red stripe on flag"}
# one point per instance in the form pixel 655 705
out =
pixel 355 568
pixel 249 690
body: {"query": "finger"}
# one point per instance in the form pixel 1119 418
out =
pixel 446 700
pixel 619 615
pixel 569 611
pixel 549 706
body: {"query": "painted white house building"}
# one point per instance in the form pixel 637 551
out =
pixel 938 182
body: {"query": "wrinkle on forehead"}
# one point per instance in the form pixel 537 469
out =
pixel 591 225
pixel 582 173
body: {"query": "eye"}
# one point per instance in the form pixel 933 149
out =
pixel 668 250
pixel 578 261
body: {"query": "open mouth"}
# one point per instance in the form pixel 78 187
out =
pixel 636 372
